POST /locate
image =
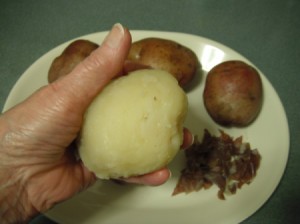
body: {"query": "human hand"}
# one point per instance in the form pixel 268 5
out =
pixel 37 164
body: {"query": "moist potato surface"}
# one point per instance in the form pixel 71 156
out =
pixel 134 126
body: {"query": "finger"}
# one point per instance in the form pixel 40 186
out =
pixel 188 139
pixel 154 179
pixel 88 178
pixel 103 64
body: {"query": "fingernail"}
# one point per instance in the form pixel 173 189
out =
pixel 115 36
pixel 170 174
pixel 189 139
pixel 193 139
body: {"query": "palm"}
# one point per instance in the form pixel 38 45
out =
pixel 52 126
pixel 38 167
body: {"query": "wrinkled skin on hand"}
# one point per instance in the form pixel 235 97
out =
pixel 37 169
pixel 37 166
pixel 75 53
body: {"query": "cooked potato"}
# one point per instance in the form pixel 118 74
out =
pixel 166 55
pixel 134 126
pixel 233 93
pixel 70 57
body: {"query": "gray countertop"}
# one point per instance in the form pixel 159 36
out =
pixel 267 32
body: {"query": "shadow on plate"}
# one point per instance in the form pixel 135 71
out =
pixel 99 198
pixel 195 82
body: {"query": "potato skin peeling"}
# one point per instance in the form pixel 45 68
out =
pixel 134 126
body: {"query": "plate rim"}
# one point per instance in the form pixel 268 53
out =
pixel 7 103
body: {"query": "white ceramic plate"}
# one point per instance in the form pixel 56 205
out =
pixel 109 203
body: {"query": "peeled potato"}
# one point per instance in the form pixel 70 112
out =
pixel 233 93
pixel 166 55
pixel 134 126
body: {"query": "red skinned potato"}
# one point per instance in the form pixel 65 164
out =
pixel 233 93
pixel 166 55
pixel 70 57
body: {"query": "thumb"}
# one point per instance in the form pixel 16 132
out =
pixel 90 76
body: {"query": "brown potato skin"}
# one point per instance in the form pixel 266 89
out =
pixel 166 55
pixel 233 93
pixel 70 57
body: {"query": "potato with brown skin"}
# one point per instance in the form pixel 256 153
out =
pixel 70 57
pixel 233 93
pixel 166 55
